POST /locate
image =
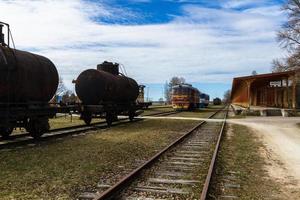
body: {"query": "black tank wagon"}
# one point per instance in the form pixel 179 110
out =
pixel 27 83
pixel 105 92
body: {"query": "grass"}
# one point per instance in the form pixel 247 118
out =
pixel 152 110
pixel 67 121
pixel 241 153
pixel 60 122
pixel 200 113
pixel 64 169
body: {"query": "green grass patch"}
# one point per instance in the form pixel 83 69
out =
pixel 67 121
pixel 65 168
pixel 241 153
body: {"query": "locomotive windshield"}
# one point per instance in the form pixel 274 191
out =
pixel 181 91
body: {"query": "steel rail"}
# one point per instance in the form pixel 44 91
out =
pixel 12 137
pixel 65 132
pixel 163 113
pixel 51 135
pixel 115 189
pixel 213 160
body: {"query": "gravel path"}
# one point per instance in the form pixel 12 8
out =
pixel 280 134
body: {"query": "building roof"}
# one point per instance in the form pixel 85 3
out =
pixel 257 79
pixel 268 75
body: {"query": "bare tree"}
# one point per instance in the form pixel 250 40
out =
pixel 254 72
pixel 61 89
pixel 168 86
pixel 227 96
pixel 167 92
pixel 292 62
pixel 289 38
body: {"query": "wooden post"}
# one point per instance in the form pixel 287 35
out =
pixel 282 94
pixel 249 82
pixel 294 91
pixel 287 92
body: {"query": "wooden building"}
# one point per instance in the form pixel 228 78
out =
pixel 279 90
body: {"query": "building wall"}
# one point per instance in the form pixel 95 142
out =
pixel 240 95
pixel 262 93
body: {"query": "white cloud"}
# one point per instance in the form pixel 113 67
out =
pixel 197 45
pixel 233 4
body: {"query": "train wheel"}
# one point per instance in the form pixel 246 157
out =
pixel 37 127
pixel 5 132
pixel 87 119
pixel 109 119
pixel 131 115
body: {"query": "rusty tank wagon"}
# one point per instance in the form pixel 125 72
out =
pixel 27 83
pixel 106 92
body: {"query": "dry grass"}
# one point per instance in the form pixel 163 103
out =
pixel 67 121
pixel 63 169
pixel 158 109
pixel 241 153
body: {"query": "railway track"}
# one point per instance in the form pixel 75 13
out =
pixel 24 139
pixel 180 171
pixel 160 114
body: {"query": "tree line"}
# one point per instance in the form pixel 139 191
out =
pixel 289 38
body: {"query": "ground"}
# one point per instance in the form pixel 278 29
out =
pixel 239 171
pixel 65 168
pixel 281 139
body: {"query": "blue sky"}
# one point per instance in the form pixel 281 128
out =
pixel 206 42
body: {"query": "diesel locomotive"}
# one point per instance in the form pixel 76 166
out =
pixel 204 100
pixel 217 101
pixel 185 97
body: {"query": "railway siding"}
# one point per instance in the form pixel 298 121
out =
pixel 160 180
pixel 66 168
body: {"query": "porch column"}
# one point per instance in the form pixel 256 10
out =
pixel 249 82
pixel 287 92
pixel 294 92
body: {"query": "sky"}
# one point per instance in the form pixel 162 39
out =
pixel 208 42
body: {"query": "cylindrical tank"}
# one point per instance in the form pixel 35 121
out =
pixel 26 77
pixel 96 86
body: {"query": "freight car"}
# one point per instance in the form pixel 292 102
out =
pixel 217 101
pixel 141 98
pixel 27 83
pixel 105 92
pixel 184 97
pixel 204 100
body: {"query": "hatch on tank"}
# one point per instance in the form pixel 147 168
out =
pixel 109 67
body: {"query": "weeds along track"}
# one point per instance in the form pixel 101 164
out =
pixel 26 139
pixel 180 171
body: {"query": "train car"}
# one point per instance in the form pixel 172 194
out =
pixel 141 98
pixel 217 101
pixel 204 100
pixel 184 97
pixel 27 83
pixel 105 92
